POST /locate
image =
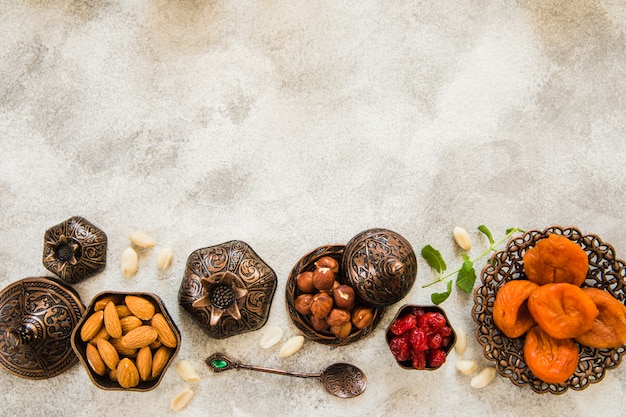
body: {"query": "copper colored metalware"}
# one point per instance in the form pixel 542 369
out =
pixel 302 322
pixel 74 249
pixel 37 316
pixel 227 289
pixel 342 380
pixel 406 309
pixel 606 272
pixel 380 265
pixel 104 381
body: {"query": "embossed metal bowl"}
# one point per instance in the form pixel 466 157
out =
pixel 407 309
pixel 104 381
pixel 302 322
pixel 606 272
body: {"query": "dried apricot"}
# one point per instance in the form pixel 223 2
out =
pixel 510 309
pixel 562 310
pixel 549 359
pixel 609 328
pixel 556 259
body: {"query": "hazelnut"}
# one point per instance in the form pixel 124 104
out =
pixel 319 324
pixel 304 281
pixel 338 316
pixel 321 305
pixel 344 297
pixel 362 317
pixel 327 262
pixel 342 330
pixel 323 278
pixel 302 303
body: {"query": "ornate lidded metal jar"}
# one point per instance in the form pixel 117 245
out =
pixel 227 289
pixel 380 265
pixel 74 249
pixel 37 317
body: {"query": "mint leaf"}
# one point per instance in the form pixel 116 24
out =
pixel 439 297
pixel 487 233
pixel 467 276
pixel 434 258
pixel 513 230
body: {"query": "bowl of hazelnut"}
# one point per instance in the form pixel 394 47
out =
pixel 323 305
pixel 126 341
pixel 420 337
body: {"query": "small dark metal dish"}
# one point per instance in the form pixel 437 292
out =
pixel 104 381
pixel 407 309
pixel 606 272
pixel 303 323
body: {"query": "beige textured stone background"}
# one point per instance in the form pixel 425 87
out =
pixel 293 124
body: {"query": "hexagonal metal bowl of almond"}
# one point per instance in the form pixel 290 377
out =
pixel 162 350
pixel 303 322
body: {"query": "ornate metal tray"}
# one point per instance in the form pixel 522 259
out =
pixel 605 272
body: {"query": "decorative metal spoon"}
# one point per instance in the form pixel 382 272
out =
pixel 340 379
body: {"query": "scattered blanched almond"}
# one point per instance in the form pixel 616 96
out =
pixel 291 346
pixel 141 239
pixel 164 258
pixel 181 400
pixel 271 336
pixel 466 366
pixel 129 262
pixel 461 342
pixel 483 378
pixel 186 371
pixel 462 238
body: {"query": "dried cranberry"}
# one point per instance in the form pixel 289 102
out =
pixel 418 359
pixel 436 358
pixel 434 341
pixel 418 339
pixel 445 341
pixel 400 348
pixel 402 324
pixel 445 331
pixel 432 321
pixel 418 312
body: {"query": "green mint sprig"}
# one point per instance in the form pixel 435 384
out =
pixel 465 274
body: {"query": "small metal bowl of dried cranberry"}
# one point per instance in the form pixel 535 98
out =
pixel 420 337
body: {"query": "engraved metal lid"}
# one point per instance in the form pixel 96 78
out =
pixel 74 249
pixel 227 289
pixel 37 317
pixel 380 265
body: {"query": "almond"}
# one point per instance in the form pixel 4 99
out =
pixel 129 323
pixel 141 239
pixel 144 363
pixel 102 334
pixel 156 344
pixel 94 360
pixel 291 346
pixel 164 258
pixel 127 374
pixel 121 349
pixel 180 401
pixel 159 360
pixel 462 238
pixel 186 371
pixel 140 307
pixel 164 331
pixel 103 301
pixel 92 326
pixel 129 262
pixel 108 353
pixel 112 321
pixel 123 311
pixel 139 337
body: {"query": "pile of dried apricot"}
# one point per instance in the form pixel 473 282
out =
pixel 553 312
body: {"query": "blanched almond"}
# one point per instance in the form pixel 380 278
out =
pixel 141 239
pixel 129 262
pixel 181 400
pixel 291 346
pixel 462 238
pixel 164 258
pixel 461 342
pixel 271 336
pixel 465 366
pixel 483 378
pixel 186 371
